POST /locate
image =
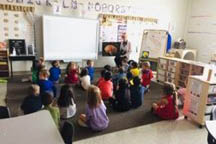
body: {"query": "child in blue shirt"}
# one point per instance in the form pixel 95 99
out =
pixel 55 72
pixel 90 68
pixel 137 93
pixel 45 84
pixel 118 76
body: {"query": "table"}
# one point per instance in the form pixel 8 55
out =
pixel 19 58
pixel 35 128
pixel 211 128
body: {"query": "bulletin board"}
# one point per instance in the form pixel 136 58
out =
pixel 16 24
pixel 155 42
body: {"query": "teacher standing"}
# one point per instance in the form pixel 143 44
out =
pixel 125 45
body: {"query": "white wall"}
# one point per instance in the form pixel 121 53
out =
pixel 200 31
pixel 171 15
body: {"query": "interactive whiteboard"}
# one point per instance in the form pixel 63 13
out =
pixel 66 38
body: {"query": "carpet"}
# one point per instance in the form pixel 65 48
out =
pixel 17 91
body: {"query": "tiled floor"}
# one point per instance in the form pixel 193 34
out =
pixel 180 131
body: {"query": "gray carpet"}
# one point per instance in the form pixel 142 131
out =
pixel 118 121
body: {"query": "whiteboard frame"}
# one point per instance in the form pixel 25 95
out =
pixel 97 37
pixel 144 36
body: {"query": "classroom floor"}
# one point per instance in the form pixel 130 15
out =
pixel 141 120
pixel 180 131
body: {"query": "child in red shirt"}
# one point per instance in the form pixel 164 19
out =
pixel 102 77
pixel 147 74
pixel 72 73
pixel 106 86
pixel 167 107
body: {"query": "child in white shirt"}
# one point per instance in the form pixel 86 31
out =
pixel 85 79
pixel 66 102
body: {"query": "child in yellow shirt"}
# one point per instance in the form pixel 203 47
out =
pixel 134 69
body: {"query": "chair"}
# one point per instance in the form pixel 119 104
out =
pixel 4 112
pixel 67 132
pixel 210 138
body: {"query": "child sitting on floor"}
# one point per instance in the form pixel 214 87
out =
pixel 108 68
pixel 130 78
pixel 36 68
pixel 137 93
pixel 90 68
pixel 106 86
pixel 47 101
pixel 121 102
pixel 102 76
pixel 134 69
pixel 147 74
pixel 182 93
pixel 95 117
pixel 118 76
pixel 167 107
pixel 45 84
pixel 55 72
pixel 66 102
pixel 85 79
pixel 72 73
pixel 32 103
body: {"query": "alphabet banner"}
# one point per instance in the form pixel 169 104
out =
pixel 100 7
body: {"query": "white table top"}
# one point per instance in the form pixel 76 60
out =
pixel 211 127
pixel 36 128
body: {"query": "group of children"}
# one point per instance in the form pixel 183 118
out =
pixel 122 91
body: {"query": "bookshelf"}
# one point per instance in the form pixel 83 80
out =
pixel 4 68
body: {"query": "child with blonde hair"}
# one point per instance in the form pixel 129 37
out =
pixel 45 84
pixel 95 117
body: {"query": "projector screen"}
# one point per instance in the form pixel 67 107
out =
pixel 66 38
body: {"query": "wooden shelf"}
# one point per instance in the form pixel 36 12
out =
pixel 4 66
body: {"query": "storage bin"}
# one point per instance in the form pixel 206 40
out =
pixel 170 75
pixel 172 63
pixel 161 72
pixel 163 61
pixel 171 69
pixel 161 78
pixel 162 66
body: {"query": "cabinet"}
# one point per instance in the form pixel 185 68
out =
pixel 200 99
pixel 176 70
pixel 4 68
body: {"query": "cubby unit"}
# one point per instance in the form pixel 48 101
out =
pixel 177 70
